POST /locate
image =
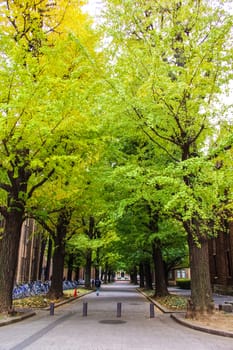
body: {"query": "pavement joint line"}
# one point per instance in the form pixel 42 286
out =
pixel 33 338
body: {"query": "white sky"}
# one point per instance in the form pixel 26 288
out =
pixel 93 7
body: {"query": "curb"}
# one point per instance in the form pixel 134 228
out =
pixel 27 314
pixel 47 308
pixel 159 306
pixel 177 316
pixel 15 319
pixel 189 324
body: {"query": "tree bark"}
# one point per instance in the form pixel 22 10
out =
pixel 148 275
pixel 106 273
pixel 56 288
pixel 109 276
pixel 77 273
pixel 88 268
pixel 142 276
pixel 9 246
pixel 134 274
pixel 91 233
pixel 201 301
pixel 160 276
pixel 42 250
pixel 48 262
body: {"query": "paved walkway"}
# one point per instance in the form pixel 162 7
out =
pixel 218 298
pixel 101 329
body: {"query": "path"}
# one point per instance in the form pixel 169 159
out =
pixel 68 329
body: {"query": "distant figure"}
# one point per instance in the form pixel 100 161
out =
pixel 97 285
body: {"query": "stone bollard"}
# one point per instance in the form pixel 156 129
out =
pixel 226 307
pixel 51 310
pixel 152 310
pixel 85 309
pixel 118 309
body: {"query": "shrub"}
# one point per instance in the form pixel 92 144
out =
pixel 183 283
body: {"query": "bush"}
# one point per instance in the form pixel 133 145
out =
pixel 183 283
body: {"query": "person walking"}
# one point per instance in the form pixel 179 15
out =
pixel 97 285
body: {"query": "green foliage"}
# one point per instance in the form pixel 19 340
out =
pixel 167 76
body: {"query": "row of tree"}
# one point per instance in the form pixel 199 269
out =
pixel 115 140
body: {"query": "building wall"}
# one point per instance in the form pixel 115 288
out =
pixel 28 268
pixel 29 253
pixel 178 273
pixel 221 261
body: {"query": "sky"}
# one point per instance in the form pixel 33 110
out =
pixel 93 7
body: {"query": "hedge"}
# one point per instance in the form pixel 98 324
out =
pixel 183 283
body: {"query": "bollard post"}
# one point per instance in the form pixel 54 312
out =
pixel 85 309
pixel 152 311
pixel 118 309
pixel 51 309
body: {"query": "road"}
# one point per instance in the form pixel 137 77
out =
pixel 107 326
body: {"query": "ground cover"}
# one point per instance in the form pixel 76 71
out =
pixel 172 302
pixel 22 306
pixel 42 301
pixel 218 320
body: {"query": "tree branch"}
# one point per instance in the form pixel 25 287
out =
pixel 3 210
pixel 39 184
pixel 5 187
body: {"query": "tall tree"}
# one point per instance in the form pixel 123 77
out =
pixel 170 61
pixel 58 232
pixel 43 73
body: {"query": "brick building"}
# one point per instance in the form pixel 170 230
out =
pixel 221 261
pixel 29 253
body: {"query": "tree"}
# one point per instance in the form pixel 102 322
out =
pixel 43 73
pixel 59 235
pixel 169 62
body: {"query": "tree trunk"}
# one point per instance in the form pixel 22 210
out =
pixel 109 276
pixel 42 250
pixel 48 262
pixel 134 273
pixel 201 293
pixel 160 277
pixel 148 276
pixel 56 289
pixel 9 246
pixel 88 268
pixel 106 273
pixel 77 273
pixel 141 274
